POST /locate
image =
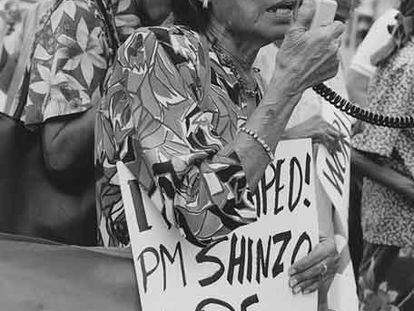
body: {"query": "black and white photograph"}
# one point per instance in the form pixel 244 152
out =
pixel 207 155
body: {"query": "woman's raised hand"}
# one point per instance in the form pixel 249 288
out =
pixel 307 57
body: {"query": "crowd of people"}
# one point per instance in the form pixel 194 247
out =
pixel 194 96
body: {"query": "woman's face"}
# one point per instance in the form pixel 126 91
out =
pixel 258 20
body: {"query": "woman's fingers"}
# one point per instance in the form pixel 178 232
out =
pixel 310 280
pixel 327 135
pixel 323 250
pixel 332 131
pixel 307 58
pixel 314 272
pixel 334 30
pixel 317 255
pixel 312 287
pixel 305 14
pixel 335 136
pixel 304 286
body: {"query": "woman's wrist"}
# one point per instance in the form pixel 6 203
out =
pixel 281 90
pixel 268 122
pixel 383 175
pixel 271 117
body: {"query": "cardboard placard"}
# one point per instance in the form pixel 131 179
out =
pixel 243 271
pixel 333 172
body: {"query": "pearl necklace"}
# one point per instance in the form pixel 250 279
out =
pixel 228 60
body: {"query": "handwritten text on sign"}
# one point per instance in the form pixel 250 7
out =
pixel 246 270
pixel 333 170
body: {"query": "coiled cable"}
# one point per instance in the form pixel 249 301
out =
pixel 361 114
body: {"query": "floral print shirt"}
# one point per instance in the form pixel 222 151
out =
pixel 73 46
pixel 166 113
pixel 388 217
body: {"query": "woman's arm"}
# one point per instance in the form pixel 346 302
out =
pixel 383 175
pixel 68 143
pixel 304 59
pixel 319 130
pixel 65 87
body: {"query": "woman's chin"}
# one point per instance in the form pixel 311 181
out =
pixel 277 35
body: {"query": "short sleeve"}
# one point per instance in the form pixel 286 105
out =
pixel 390 94
pixel 70 58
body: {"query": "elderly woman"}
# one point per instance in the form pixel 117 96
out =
pixel 47 118
pixel 386 158
pixel 184 111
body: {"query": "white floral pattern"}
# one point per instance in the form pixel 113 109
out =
pixel 88 51
pixel 72 51
pixel 72 54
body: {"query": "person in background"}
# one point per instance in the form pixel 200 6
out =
pixel 65 50
pixel 307 122
pixel 385 157
pixel 358 77
pixel 361 71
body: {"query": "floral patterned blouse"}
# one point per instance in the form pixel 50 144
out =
pixel 74 45
pixel 388 217
pixel 166 114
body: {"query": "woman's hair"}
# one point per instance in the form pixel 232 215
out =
pixel 190 13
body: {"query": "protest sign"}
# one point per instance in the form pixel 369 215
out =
pixel 333 172
pixel 243 271
pixel 334 169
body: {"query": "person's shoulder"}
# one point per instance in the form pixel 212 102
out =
pixel 176 37
pixel 76 9
pixel 180 43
